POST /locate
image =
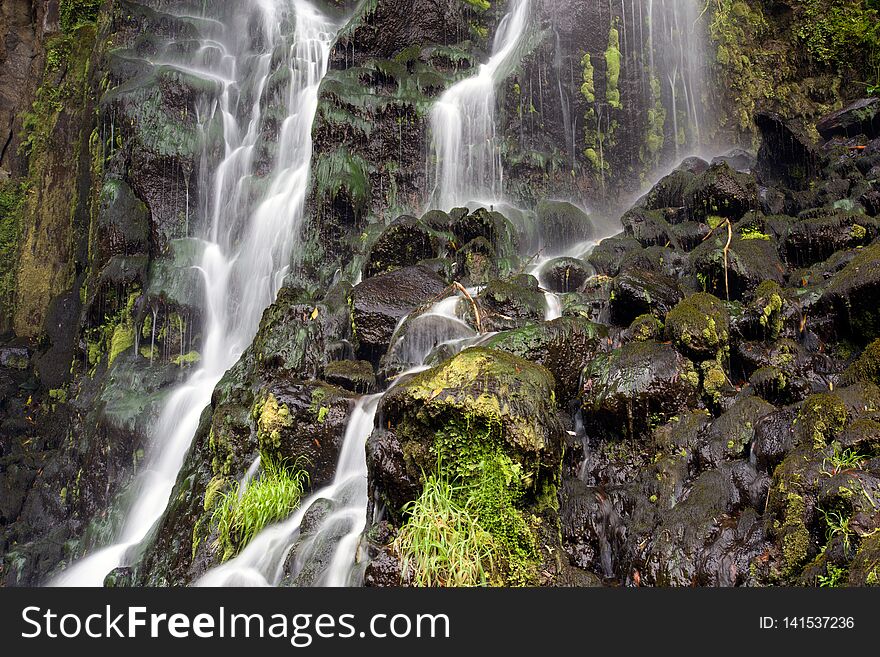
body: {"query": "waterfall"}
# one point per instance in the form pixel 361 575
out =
pixel 468 157
pixel 248 249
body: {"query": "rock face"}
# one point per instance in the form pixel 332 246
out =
pixel 861 117
pixel 379 303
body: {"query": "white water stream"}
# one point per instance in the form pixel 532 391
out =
pixel 248 246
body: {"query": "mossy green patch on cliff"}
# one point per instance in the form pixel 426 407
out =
pixel 12 196
pixel 76 13
pixel 612 70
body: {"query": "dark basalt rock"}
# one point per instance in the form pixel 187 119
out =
pixel 378 304
pixel 624 389
pixel 749 263
pixel 564 346
pixel 721 191
pixel 403 244
pixel 817 238
pixel 637 292
pixel 648 228
pixel 853 293
pixel 737 159
pixel 511 303
pixel 699 325
pixel 353 375
pixel 861 117
pixel 786 157
pixel 608 254
pixel 562 224
pixel 565 274
pixel 669 190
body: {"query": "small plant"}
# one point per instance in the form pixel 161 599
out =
pixel 842 460
pixel 752 233
pixel 837 525
pixel 242 514
pixel 442 542
pixel 835 577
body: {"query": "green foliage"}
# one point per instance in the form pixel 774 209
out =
pixel 752 233
pixel 842 460
pixel 841 33
pixel 836 577
pixel 76 13
pixel 442 542
pixel 837 524
pixel 482 5
pixel 12 195
pixel 242 514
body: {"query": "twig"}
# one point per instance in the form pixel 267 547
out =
pixel 726 252
pixel 458 286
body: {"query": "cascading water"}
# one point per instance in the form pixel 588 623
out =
pixel 468 166
pixel 247 250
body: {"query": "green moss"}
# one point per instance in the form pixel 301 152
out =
pixel 272 418
pixel 699 324
pixel 588 88
pixel 123 338
pixel 821 418
pixel 867 365
pixel 655 135
pixel 76 13
pixel 714 380
pixel 12 195
pixel 612 72
pixel 768 300
pixel 795 535
pixel 646 327
pixel 342 171
pixel 185 359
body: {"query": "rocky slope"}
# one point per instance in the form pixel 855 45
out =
pixel 705 412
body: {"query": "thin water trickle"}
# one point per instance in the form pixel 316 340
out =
pixel 247 247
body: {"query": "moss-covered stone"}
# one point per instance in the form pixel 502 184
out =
pixel 821 417
pixel 853 292
pixel 646 327
pixel 866 367
pixel 699 325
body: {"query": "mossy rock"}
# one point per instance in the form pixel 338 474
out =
pixel 302 426
pixel 565 274
pixel 645 327
pixel 637 387
pixel 404 243
pixel 853 294
pixel 815 239
pixel 821 418
pixel 699 326
pixel 648 227
pixel 866 367
pixel 721 191
pixel 637 292
pixel 564 346
pixel 669 192
pixel 510 303
pixel 749 262
pixel 864 570
pixel 607 256
pixel 563 224
pixel 353 375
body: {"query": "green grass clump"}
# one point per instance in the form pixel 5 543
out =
pixel 442 542
pixel 241 515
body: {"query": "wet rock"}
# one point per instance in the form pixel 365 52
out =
pixel 383 570
pixel 861 117
pixel 493 227
pixel 378 304
pixel 645 327
pixel 733 433
pixel 563 224
pixel 815 239
pixel 507 304
pixel 353 375
pixel 564 346
pixel 565 274
pixel 853 294
pixel 123 222
pixel 749 262
pixel 607 255
pixel 487 398
pixel 737 159
pixel 668 192
pixel 637 386
pixel 787 157
pixel 15 357
pixel 174 278
pixel 403 244
pixel 638 292
pixel 303 425
pixel 648 227
pixel 699 326
pixel 721 191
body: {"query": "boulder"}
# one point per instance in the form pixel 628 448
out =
pixel 562 224
pixel 721 191
pixel 861 117
pixel 565 274
pixel 379 303
pixel 699 326
pixel 638 291
pixel 403 244
pixel 633 388
pixel 853 293
pixel 506 304
pixel 607 255
pixel 787 157
pixel 564 346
